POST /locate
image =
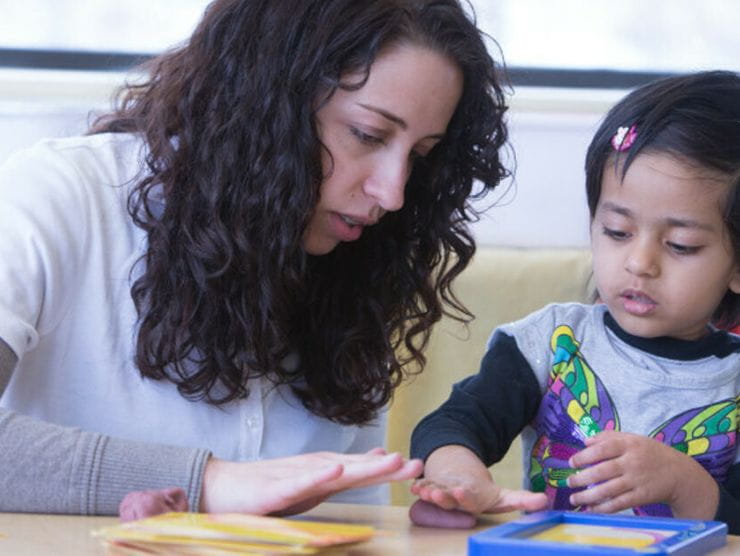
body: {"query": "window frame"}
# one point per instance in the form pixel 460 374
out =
pixel 88 60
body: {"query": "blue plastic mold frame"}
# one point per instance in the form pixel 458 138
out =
pixel 514 538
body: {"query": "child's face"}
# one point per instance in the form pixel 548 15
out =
pixel 661 252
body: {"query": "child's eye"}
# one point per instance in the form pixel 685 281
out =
pixel 683 249
pixel 617 235
pixel 365 137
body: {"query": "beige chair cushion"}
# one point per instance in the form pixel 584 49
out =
pixel 500 285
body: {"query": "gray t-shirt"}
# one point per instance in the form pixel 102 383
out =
pixel 594 378
pixel 568 371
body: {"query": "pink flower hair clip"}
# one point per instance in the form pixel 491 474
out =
pixel 624 138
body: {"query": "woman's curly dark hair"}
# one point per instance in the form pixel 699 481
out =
pixel 227 292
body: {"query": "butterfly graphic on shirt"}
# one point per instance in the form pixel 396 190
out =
pixel 576 405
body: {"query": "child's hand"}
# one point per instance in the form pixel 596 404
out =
pixel 457 486
pixel 476 497
pixel 625 470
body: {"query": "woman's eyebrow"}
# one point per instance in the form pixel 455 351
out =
pixel 388 115
pixel 395 119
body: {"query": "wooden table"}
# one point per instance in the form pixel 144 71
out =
pixel 41 535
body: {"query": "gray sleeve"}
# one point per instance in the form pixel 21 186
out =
pixel 48 468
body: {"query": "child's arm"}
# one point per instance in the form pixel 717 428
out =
pixel 456 479
pixel 627 470
pixel 470 431
pixel 486 411
pixel 729 501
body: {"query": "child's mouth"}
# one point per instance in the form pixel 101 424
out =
pixel 637 303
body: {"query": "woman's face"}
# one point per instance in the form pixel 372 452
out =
pixel 373 135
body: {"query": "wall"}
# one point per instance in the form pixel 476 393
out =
pixel 543 205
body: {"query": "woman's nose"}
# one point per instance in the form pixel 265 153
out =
pixel 387 184
pixel 642 260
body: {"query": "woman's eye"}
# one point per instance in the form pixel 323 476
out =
pixel 680 249
pixel 365 137
pixel 614 234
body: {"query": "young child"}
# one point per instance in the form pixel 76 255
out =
pixel 630 404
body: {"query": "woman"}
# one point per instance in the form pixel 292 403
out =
pixel 223 273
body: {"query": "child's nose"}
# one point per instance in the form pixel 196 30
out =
pixel 642 260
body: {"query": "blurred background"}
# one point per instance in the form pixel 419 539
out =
pixel 568 61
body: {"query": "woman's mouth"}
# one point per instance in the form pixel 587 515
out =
pixel 350 221
pixel 637 303
pixel 346 228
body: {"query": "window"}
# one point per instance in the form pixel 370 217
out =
pixel 132 26
pixel 92 34
pixel 608 43
pixel 568 42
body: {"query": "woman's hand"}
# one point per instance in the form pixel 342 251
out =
pixel 295 484
pixel 457 486
pixel 624 470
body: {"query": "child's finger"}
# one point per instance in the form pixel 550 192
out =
pixel 612 505
pixel 511 500
pixel 424 485
pixel 601 493
pixel 595 453
pixel 444 499
pixel 436 495
pixel 607 470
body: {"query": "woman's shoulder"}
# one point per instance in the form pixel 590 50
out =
pixel 82 152
pixel 112 152
pixel 60 167
pixel 75 184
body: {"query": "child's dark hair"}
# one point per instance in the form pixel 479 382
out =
pixel 694 117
